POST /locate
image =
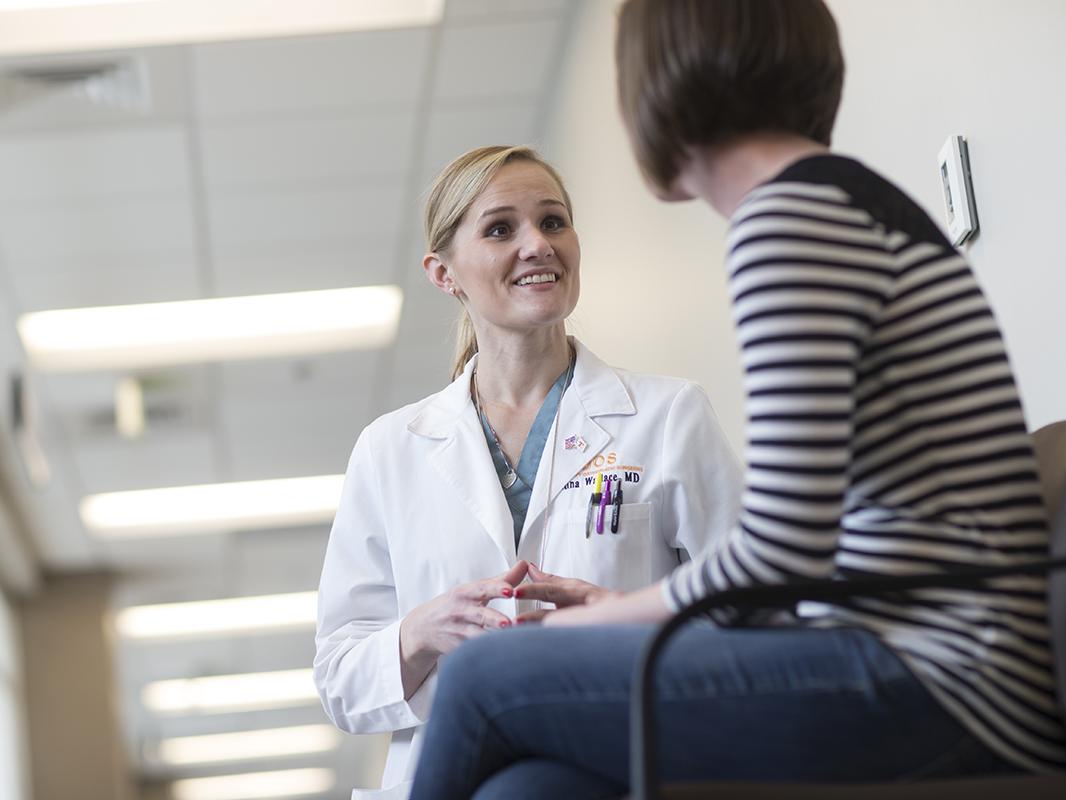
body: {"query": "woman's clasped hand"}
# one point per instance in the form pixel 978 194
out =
pixel 561 592
pixel 440 625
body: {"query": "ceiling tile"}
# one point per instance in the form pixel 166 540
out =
pixel 175 458
pixel 292 268
pixel 100 164
pixel 312 72
pixel 451 131
pixel 315 215
pixel 301 150
pixel 73 230
pixel 307 448
pixel 289 418
pixel 466 10
pixel 157 556
pixel 484 62
pixel 104 280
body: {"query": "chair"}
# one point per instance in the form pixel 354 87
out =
pixel 1050 445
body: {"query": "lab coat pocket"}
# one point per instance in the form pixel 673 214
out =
pixel 618 561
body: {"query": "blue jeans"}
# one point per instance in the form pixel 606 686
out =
pixel 544 713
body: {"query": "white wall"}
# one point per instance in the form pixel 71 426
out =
pixel 654 289
pixel 13 751
pixel 920 70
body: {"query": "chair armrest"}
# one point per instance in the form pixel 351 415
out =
pixel 643 773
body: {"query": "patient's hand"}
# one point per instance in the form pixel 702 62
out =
pixel 611 608
pixel 563 592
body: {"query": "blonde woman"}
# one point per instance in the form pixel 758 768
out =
pixel 459 511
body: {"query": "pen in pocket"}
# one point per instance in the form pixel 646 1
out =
pixel 616 506
pixel 594 502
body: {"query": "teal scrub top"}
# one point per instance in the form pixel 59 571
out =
pixel 521 490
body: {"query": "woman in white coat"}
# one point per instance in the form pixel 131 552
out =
pixel 455 507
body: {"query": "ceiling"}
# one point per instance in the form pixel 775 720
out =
pixel 233 168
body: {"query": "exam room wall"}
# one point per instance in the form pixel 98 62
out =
pixel 76 749
pixel 654 294
pixel 14 763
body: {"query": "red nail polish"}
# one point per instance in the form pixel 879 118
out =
pixel 507 592
pixel 517 592
pixel 505 624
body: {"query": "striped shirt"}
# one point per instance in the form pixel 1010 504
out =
pixel 885 437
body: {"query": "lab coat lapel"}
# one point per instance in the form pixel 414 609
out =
pixel 463 462
pixel 595 391
pixel 573 420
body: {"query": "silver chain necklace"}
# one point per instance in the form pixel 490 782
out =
pixel 510 476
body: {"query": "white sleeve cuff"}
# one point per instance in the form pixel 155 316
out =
pixel 364 693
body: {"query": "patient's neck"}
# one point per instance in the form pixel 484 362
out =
pixel 723 175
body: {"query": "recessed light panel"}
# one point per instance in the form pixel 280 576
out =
pixel 255 785
pixel 212 508
pixel 220 329
pixel 223 694
pixel 204 618
pixel 215 748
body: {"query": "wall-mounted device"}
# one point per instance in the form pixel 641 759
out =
pixel 24 430
pixel 958 190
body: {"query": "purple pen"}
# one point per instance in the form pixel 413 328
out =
pixel 605 501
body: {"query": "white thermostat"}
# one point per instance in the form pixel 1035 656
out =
pixel 958 190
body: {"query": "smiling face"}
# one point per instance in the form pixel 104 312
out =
pixel 515 256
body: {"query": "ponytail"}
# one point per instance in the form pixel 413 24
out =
pixel 465 343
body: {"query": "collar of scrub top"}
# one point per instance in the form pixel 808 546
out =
pixel 595 385
pixel 523 472
pixel 449 417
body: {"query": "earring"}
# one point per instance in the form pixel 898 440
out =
pixel 452 290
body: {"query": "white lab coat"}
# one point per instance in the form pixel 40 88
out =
pixel 422 511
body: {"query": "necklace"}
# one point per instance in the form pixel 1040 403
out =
pixel 511 475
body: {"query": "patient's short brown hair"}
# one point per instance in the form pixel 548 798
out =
pixel 699 72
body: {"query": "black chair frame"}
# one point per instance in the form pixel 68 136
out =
pixel 644 781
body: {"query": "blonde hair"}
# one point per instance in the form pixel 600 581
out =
pixel 451 195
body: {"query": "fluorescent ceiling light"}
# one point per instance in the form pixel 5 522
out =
pixel 223 694
pixel 188 331
pixel 55 26
pixel 254 785
pixel 248 745
pixel 212 507
pixel 213 617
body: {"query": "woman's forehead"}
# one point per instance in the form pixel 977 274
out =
pixel 517 181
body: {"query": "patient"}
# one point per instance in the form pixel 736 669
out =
pixel 885 437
